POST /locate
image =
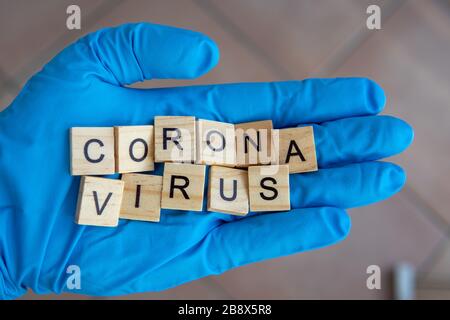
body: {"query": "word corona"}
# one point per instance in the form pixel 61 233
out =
pixel 250 167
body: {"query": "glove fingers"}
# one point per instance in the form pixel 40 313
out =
pixel 231 245
pixel 360 139
pixel 136 52
pixel 287 104
pixel 346 187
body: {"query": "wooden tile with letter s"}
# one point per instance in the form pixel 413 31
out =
pixel 269 188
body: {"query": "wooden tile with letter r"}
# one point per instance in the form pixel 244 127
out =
pixel 297 149
pixel 175 139
pixel 216 143
pixel 92 151
pixel 134 149
pixel 183 186
pixel 228 190
pixel 141 197
pixel 99 201
pixel 269 188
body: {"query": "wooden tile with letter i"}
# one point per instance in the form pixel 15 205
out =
pixel 134 149
pixel 269 188
pixel 175 139
pixel 216 143
pixel 253 143
pixel 183 186
pixel 141 197
pixel 99 201
pixel 297 149
pixel 92 151
pixel 228 190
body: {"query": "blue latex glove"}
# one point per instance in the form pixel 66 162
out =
pixel 85 86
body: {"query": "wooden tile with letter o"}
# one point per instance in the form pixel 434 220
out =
pixel 99 201
pixel 253 143
pixel 269 188
pixel 175 139
pixel 297 148
pixel 141 197
pixel 216 143
pixel 183 186
pixel 228 190
pixel 134 149
pixel 92 151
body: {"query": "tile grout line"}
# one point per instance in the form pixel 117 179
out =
pixel 244 39
pixel 351 44
pixel 13 83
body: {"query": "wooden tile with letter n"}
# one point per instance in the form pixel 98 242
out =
pixel 183 186
pixel 134 149
pixel 297 149
pixel 99 201
pixel 92 151
pixel 141 197
pixel 175 139
pixel 269 188
pixel 228 190
pixel 254 143
pixel 216 143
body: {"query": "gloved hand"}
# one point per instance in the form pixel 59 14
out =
pixel 84 85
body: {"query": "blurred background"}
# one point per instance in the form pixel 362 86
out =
pixel 268 40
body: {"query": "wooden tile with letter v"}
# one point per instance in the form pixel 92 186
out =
pixel 175 139
pixel 134 149
pixel 183 186
pixel 228 190
pixel 269 188
pixel 297 149
pixel 141 197
pixel 99 201
pixel 92 151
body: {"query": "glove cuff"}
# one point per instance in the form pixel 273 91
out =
pixel 7 291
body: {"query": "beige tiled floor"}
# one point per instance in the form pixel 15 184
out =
pixel 262 40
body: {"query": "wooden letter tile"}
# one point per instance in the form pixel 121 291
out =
pixel 134 149
pixel 175 139
pixel 297 148
pixel 269 188
pixel 216 143
pixel 228 190
pixel 253 143
pixel 99 201
pixel 92 151
pixel 141 197
pixel 183 186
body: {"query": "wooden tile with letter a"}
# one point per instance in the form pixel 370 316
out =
pixel 141 197
pixel 134 149
pixel 253 143
pixel 297 148
pixel 92 151
pixel 175 139
pixel 183 186
pixel 228 190
pixel 269 188
pixel 99 201
pixel 216 143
